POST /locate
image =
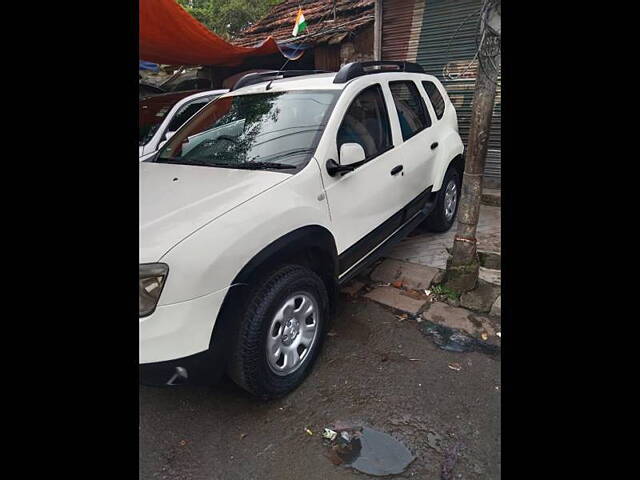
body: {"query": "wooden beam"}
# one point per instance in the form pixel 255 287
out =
pixel 377 31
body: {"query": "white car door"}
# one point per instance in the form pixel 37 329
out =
pixel 440 129
pixel 366 205
pixel 416 144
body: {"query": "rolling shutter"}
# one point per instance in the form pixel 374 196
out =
pixel 441 36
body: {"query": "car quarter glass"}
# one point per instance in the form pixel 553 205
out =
pixel 436 98
pixel 412 112
pixel 367 123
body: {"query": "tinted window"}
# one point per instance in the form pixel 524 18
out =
pixel 366 123
pixel 411 109
pixel 436 98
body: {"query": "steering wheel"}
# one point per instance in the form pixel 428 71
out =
pixel 229 138
pixel 203 148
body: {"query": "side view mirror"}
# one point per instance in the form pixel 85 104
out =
pixel 350 155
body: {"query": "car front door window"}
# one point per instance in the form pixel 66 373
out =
pixel 367 123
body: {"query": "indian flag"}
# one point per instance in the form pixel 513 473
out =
pixel 301 24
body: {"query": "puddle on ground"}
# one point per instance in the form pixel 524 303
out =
pixel 455 341
pixel 370 451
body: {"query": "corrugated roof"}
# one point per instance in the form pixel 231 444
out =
pixel 351 15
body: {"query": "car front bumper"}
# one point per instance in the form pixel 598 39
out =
pixel 203 368
pixel 179 330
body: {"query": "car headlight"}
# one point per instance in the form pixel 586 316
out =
pixel 152 278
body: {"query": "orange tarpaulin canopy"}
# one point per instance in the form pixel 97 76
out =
pixel 168 34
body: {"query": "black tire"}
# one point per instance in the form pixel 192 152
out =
pixel 248 366
pixel 437 221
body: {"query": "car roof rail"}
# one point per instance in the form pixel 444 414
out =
pixel 259 77
pixel 358 69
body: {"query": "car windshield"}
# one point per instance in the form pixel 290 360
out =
pixel 266 130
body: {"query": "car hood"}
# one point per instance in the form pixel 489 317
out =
pixel 176 200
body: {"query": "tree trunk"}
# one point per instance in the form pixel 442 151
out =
pixel 463 266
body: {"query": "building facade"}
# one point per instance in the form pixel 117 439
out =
pixel 338 32
pixel 442 36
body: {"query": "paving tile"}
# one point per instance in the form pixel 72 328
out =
pixel 428 248
pixel 490 275
pixel 496 308
pixel 480 298
pixel 412 275
pixel 394 298
pixel 458 318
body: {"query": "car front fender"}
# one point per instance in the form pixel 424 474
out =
pixel 210 259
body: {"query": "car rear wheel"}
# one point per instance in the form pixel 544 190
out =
pixel 444 212
pixel 280 332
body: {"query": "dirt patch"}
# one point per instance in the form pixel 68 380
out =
pixel 405 400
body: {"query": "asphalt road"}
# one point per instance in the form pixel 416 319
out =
pixel 375 370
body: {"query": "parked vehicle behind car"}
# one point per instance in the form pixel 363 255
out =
pixel 146 90
pixel 161 115
pixel 266 201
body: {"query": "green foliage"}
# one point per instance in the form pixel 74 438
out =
pixel 227 17
pixel 445 292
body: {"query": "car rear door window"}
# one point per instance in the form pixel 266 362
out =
pixel 412 112
pixel 436 98
pixel 367 123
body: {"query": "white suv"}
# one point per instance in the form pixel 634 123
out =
pixel 270 198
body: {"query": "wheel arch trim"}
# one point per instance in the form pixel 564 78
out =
pixel 300 240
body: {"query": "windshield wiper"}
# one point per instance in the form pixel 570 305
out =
pixel 181 161
pixel 255 165
pixel 251 163
pixel 297 151
pixel 244 165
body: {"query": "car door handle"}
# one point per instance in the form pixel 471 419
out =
pixel 396 170
pixel 434 145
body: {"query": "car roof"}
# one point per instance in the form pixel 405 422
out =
pixel 317 81
pixel 324 81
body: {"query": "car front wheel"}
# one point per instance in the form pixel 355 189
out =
pixel 280 332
